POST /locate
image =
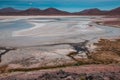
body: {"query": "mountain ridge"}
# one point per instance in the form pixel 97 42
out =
pixel 9 9
pixel 54 11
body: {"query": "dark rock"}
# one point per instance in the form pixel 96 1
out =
pixel 62 75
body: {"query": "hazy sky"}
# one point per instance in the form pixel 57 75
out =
pixel 68 5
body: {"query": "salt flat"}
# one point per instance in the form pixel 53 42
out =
pixel 55 29
pixel 29 34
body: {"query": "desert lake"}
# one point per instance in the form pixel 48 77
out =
pixel 39 42
pixel 31 31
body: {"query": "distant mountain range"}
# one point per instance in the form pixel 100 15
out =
pixel 54 11
pixel 8 9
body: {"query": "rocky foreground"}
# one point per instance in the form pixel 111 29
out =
pixel 86 72
pixel 104 64
pixel 62 75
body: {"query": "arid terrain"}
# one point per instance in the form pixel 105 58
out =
pixel 103 65
pixel 113 21
pixel 60 48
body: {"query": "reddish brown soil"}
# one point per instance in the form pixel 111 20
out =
pixel 86 69
pixel 110 22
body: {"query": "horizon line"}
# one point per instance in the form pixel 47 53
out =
pixel 61 9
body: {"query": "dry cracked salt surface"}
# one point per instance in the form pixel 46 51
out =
pixel 34 57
